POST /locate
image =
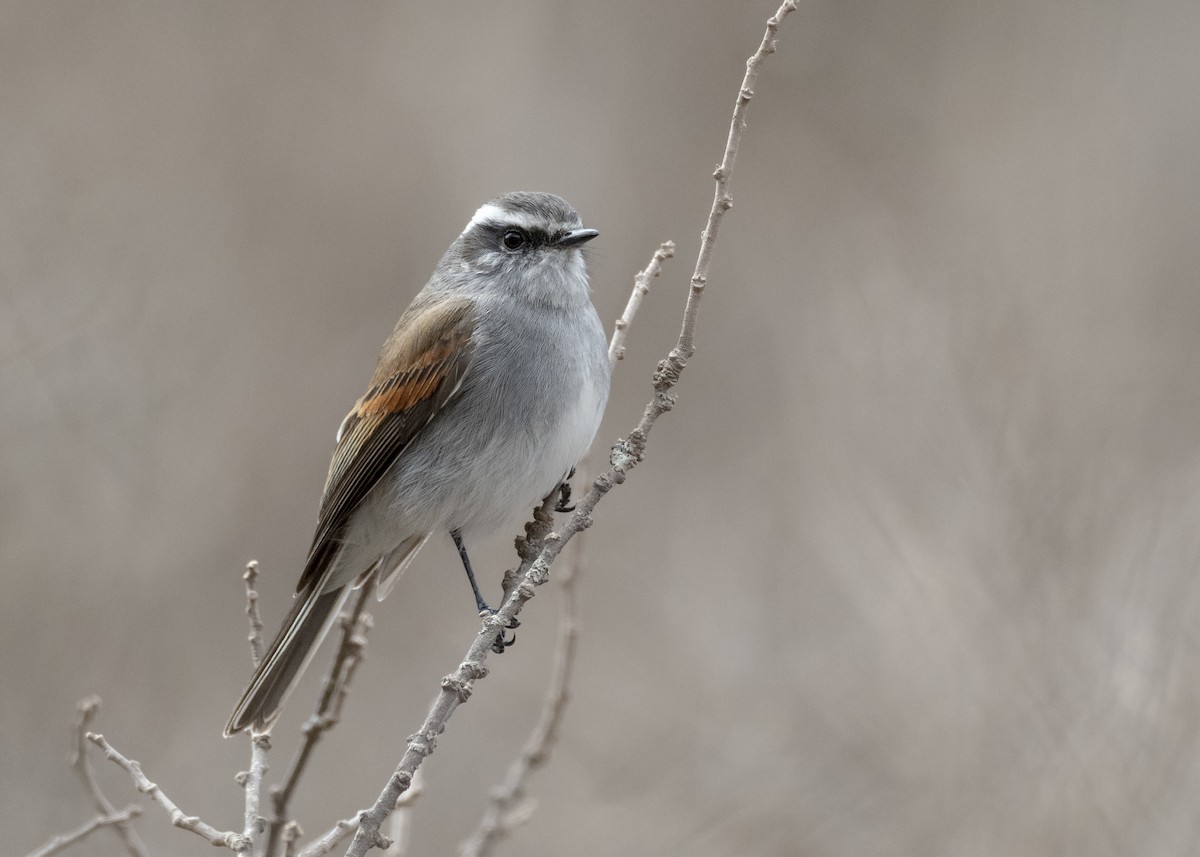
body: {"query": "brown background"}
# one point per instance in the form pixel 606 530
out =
pixel 912 569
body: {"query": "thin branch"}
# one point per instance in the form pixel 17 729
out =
pixel 87 709
pixel 626 454
pixel 335 687
pixel 65 840
pixel 641 288
pixel 227 838
pixel 401 827
pixel 252 781
pixel 257 644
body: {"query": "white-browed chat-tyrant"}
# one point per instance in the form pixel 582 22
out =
pixel 487 393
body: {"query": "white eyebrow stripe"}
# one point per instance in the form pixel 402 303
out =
pixel 487 211
pixel 496 214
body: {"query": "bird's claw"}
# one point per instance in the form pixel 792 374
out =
pixel 564 503
pixel 500 644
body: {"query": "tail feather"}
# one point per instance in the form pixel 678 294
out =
pixel 303 629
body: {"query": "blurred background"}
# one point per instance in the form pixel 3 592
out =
pixel 911 569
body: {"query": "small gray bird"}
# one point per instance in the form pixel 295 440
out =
pixel 486 395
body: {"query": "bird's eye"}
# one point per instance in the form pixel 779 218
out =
pixel 513 239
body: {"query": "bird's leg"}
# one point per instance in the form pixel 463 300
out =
pixel 564 490
pixel 480 605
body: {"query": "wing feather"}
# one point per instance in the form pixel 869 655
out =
pixel 421 369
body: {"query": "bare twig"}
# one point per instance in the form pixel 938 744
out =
pixel 257 645
pixel 626 454
pixel 65 840
pixel 87 709
pixel 641 288
pixel 401 827
pixel 252 781
pixel 227 838
pixel 291 832
pixel 335 687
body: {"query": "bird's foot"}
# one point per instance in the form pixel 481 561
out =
pixel 564 503
pixel 500 644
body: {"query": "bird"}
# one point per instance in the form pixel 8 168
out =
pixel 488 392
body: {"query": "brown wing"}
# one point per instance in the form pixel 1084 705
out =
pixel 419 371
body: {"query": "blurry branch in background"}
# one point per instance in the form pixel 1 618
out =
pixel 626 454
pixel 291 832
pixel 506 808
pixel 65 840
pixel 87 709
pixel 401 826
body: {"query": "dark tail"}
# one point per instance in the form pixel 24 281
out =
pixel 289 654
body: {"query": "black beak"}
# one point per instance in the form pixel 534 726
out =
pixel 576 237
